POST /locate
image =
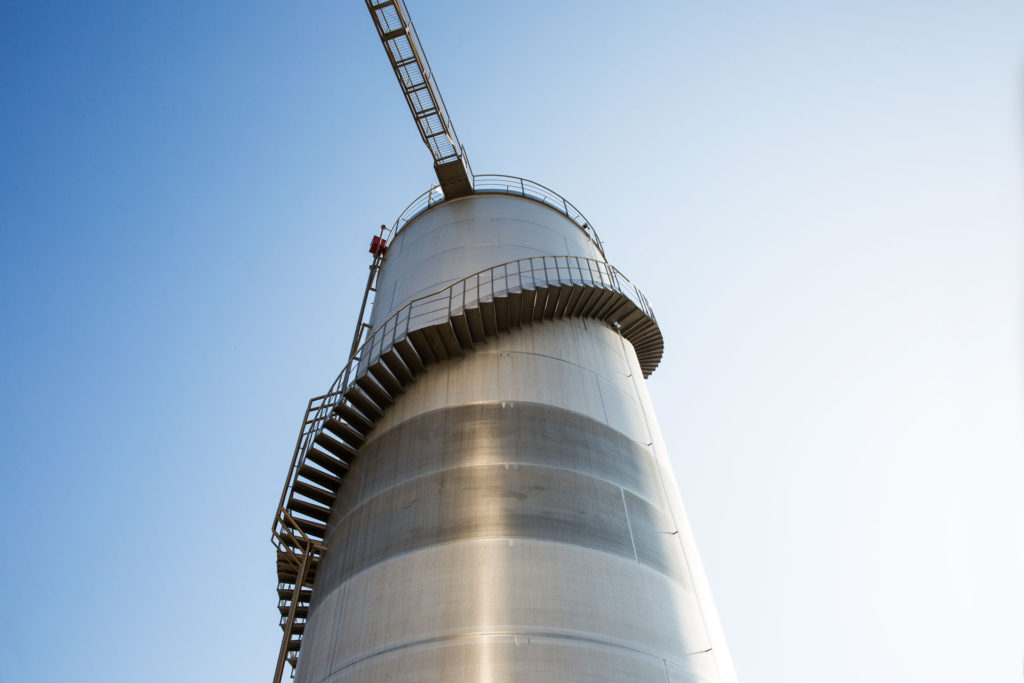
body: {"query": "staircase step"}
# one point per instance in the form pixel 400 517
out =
pixel 320 495
pixel 327 461
pixel 286 594
pixel 476 325
pixel 375 391
pixel 585 296
pixel 501 313
pixel 616 313
pixel 515 309
pixel 397 367
pixel 539 302
pixel 409 356
pixel 289 573
pixel 630 318
pixel 652 341
pixel 348 413
pixel 565 300
pixel 420 343
pixel 387 380
pixel 655 351
pixel 448 338
pixel 301 612
pixel 461 327
pixel 317 512
pixel 325 479
pixel 645 327
pixel 345 432
pixel 649 358
pixel 436 344
pixel 652 334
pixel 554 293
pixel 598 302
pixel 358 398
pixel 335 446
pixel 487 312
pixel 528 301
pixel 312 529
pixel 612 302
pixel 290 560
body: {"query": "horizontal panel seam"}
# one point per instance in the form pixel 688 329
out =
pixel 453 468
pixel 479 539
pixel 549 635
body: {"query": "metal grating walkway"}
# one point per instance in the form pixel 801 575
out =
pixel 391 17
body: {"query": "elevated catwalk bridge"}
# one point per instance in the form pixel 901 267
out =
pixel 416 80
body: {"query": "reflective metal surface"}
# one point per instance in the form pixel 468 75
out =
pixel 499 471
pixel 483 434
pixel 402 617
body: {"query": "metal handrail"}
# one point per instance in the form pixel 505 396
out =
pixel 503 184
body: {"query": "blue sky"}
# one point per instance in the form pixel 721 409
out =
pixel 821 200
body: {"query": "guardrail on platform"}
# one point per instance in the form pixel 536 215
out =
pixel 503 184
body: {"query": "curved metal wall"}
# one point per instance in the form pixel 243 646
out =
pixel 513 516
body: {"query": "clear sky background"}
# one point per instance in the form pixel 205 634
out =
pixel 822 200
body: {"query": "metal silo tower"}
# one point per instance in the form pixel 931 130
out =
pixel 483 494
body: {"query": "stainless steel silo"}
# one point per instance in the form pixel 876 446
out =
pixel 512 514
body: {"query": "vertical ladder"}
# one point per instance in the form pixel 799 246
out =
pixel 421 94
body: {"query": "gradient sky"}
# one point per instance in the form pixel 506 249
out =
pixel 821 200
